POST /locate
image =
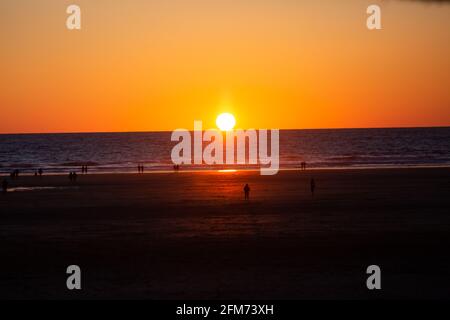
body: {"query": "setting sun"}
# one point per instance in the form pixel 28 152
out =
pixel 225 121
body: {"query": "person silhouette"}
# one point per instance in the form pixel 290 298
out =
pixel 5 186
pixel 73 176
pixel 40 171
pixel 247 191
pixel 313 187
pixel 303 166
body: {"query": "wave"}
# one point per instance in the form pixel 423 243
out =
pixel 79 164
pixel 21 165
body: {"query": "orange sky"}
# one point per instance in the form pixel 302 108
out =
pixel 159 65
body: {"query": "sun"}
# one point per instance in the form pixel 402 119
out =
pixel 225 121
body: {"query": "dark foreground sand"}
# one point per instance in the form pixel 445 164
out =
pixel 191 235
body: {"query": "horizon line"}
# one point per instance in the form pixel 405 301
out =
pixel 163 131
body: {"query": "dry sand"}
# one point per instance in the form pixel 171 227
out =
pixel 193 236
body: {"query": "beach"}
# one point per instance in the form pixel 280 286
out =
pixel 191 235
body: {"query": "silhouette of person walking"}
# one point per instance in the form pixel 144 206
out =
pixel 303 166
pixel 40 171
pixel 313 187
pixel 73 176
pixel 5 186
pixel 14 174
pixel 247 192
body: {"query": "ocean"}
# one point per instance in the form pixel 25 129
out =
pixel 324 148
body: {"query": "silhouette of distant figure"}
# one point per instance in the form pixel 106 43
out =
pixel 5 186
pixel 247 191
pixel 82 170
pixel 73 176
pixel 14 174
pixel 35 173
pixel 313 187
pixel 40 171
pixel 176 167
pixel 142 168
pixel 303 165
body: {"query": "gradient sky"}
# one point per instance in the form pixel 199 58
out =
pixel 159 65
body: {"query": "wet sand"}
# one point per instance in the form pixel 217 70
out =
pixel 193 236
